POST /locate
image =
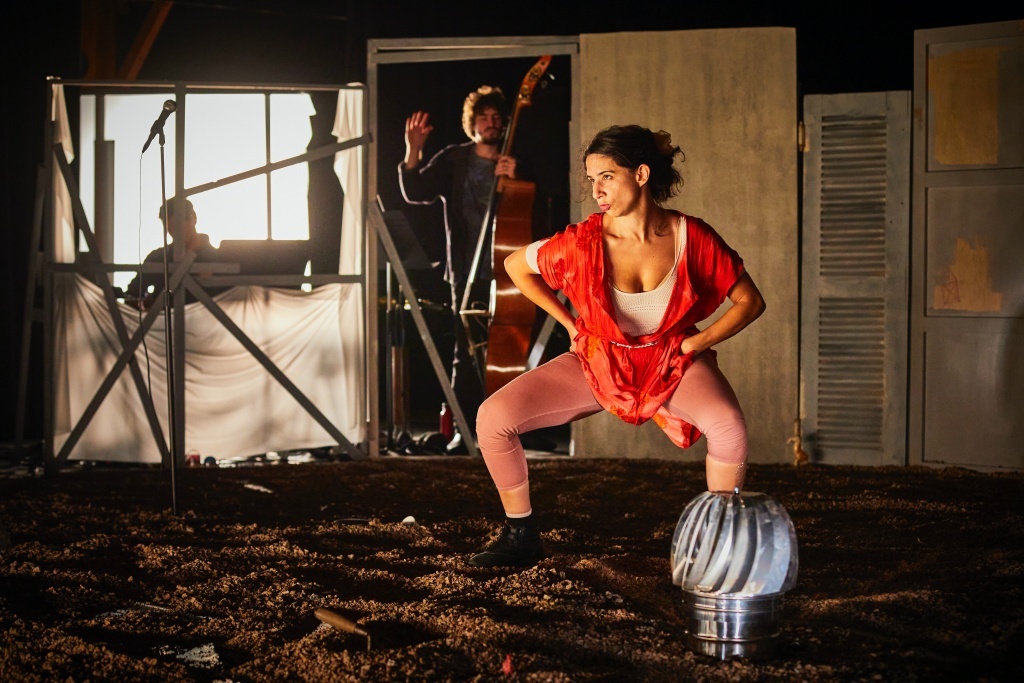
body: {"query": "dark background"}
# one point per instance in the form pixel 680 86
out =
pixel 855 47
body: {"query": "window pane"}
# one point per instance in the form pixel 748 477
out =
pixel 289 187
pixel 290 129
pixel 234 212
pixel 224 135
pixel 290 135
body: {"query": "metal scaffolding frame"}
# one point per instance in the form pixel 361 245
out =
pixel 39 305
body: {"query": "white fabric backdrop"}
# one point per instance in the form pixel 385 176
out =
pixel 348 166
pixel 234 407
pixel 63 216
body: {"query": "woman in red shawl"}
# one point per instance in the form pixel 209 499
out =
pixel 640 277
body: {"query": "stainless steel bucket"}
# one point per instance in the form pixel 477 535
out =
pixel 725 626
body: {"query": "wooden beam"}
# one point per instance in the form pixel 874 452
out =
pixel 98 38
pixel 158 12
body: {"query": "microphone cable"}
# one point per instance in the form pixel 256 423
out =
pixel 141 288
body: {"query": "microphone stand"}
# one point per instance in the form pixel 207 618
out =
pixel 172 419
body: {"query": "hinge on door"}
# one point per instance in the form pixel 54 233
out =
pixel 802 143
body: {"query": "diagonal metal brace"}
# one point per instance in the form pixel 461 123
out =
pixel 127 356
pixel 378 223
pixel 82 223
pixel 275 372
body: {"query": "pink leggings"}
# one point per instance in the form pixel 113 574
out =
pixel 557 392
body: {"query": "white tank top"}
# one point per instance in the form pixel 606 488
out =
pixel 638 313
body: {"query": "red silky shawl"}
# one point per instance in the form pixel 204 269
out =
pixel 633 376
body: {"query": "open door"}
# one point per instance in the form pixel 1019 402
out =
pixel 435 75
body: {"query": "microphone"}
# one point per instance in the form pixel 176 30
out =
pixel 158 125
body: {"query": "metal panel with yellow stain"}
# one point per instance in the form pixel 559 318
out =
pixel 975 250
pixel 965 402
pixel 975 89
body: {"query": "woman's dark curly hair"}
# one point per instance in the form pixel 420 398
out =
pixel 630 146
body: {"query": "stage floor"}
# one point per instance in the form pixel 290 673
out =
pixel 905 574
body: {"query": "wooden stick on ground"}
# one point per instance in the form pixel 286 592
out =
pixel 337 621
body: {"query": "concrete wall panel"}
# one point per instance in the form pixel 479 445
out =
pixel 729 99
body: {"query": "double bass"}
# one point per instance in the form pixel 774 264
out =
pixel 510 218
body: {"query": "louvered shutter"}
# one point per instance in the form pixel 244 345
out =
pixel 854 262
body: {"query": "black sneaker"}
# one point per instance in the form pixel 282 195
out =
pixel 516 546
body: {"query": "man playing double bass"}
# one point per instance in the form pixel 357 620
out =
pixel 463 175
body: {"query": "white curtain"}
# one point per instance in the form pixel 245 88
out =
pixel 63 216
pixel 233 406
pixel 348 165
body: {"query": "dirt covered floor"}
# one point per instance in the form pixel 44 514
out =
pixel 906 574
